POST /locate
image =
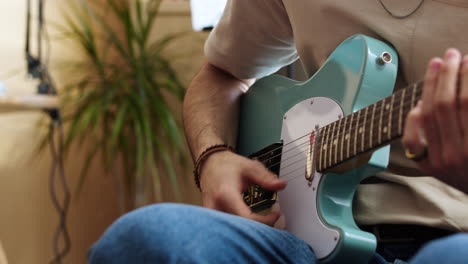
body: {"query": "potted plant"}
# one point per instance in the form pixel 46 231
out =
pixel 122 101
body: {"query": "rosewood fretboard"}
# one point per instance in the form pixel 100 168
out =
pixel 367 129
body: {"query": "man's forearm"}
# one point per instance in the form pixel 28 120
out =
pixel 211 108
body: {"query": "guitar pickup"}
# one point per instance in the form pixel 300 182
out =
pixel 255 197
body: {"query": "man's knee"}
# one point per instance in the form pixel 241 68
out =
pixel 451 249
pixel 151 231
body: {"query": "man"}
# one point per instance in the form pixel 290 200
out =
pixel 254 39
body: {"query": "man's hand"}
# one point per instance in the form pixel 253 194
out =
pixel 225 175
pixel 440 120
pixel 211 113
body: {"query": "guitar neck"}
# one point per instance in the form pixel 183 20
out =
pixel 367 129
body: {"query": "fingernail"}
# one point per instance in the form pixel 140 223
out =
pixel 452 55
pixel 435 64
pixel 278 181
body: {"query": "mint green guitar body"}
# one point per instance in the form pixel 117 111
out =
pixel 353 77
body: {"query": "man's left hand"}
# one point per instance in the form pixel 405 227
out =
pixel 438 125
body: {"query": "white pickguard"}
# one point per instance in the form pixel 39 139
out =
pixel 298 201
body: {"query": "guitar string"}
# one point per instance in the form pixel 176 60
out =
pixel 407 100
pixel 305 159
pixel 385 117
pixel 353 126
pixel 378 108
pixel 303 167
pixel 393 131
pixel 295 170
pixel 366 137
pixel 306 143
pixel 413 86
pixel 278 148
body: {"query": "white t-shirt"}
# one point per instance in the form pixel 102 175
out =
pixel 257 37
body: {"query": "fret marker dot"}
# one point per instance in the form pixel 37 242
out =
pixel 325 146
pixel 346 136
pixel 387 107
pixel 360 130
pixel 385 129
pixel 335 141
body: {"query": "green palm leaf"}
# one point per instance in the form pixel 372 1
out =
pixel 119 101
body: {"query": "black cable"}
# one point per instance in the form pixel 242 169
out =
pixel 33 64
pixel 39 29
pixel 57 165
pixel 28 27
pixel 55 202
pixel 36 69
pixel 66 190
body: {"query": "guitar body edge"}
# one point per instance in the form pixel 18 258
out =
pixel 336 192
pixel 351 77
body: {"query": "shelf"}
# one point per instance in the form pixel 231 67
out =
pixel 11 103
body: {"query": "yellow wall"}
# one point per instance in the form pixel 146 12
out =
pixel 27 218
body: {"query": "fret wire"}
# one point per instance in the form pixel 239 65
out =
pixel 377 108
pixel 356 133
pixel 343 136
pixel 337 139
pixel 325 147
pixel 400 118
pixel 413 95
pixel 349 134
pixel 301 160
pixel 373 147
pixel 396 136
pixel 393 130
pixel 417 89
pixel 353 126
pixel 390 118
pixel 321 148
pixel 330 152
pixel 364 129
pixel 380 120
pixel 372 126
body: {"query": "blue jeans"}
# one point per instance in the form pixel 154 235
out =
pixel 174 233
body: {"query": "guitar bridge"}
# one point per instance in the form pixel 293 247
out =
pixel 256 197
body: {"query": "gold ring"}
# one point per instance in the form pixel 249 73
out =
pixel 416 156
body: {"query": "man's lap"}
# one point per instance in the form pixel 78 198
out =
pixel 174 233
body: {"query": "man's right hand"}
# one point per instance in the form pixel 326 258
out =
pixel 226 175
pixel 211 113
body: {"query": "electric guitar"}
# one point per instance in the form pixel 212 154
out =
pixel 323 137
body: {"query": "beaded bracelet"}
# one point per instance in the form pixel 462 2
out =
pixel 205 154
